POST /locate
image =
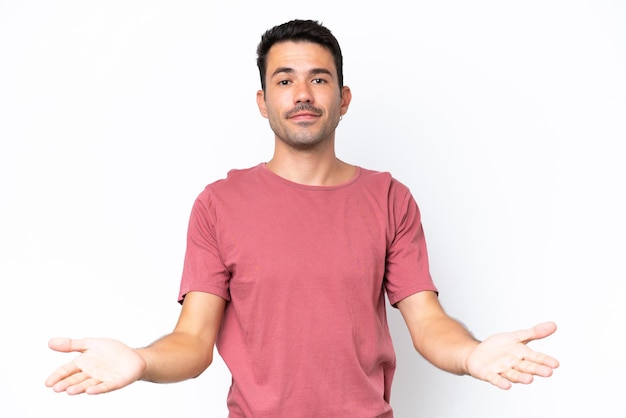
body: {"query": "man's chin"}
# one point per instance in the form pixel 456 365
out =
pixel 303 143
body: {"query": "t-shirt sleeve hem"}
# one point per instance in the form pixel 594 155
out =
pixel 397 297
pixel 214 290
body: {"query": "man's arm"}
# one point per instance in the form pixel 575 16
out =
pixel 502 359
pixel 105 365
pixel 188 350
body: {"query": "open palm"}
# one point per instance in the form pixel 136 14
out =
pixel 504 359
pixel 104 365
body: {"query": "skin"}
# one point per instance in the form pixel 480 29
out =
pixel 105 365
pixel 303 103
pixel 502 359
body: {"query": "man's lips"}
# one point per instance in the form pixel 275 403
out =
pixel 304 112
pixel 303 116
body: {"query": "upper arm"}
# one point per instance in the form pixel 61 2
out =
pixel 201 316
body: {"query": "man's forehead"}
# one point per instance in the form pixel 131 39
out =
pixel 295 53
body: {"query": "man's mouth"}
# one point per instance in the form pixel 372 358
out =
pixel 303 116
pixel 304 112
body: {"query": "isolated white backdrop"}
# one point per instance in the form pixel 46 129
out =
pixel 504 118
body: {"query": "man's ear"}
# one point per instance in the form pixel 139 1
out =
pixel 346 98
pixel 260 102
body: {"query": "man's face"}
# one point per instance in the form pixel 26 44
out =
pixel 302 98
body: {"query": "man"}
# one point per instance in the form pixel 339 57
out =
pixel 287 266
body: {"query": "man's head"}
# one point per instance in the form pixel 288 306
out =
pixel 302 94
pixel 299 31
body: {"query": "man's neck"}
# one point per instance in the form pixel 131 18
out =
pixel 310 167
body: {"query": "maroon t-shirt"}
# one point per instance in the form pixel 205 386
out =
pixel 304 270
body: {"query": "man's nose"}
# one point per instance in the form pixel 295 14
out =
pixel 303 93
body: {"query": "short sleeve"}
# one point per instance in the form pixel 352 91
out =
pixel 407 268
pixel 203 268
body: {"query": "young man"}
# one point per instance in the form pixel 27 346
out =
pixel 287 266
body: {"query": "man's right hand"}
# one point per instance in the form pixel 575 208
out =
pixel 104 365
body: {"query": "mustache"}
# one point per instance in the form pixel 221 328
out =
pixel 304 107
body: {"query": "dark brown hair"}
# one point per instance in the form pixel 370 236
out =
pixel 299 30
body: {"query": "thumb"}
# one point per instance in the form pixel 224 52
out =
pixel 67 345
pixel 537 332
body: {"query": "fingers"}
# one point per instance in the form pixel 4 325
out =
pixel 68 378
pixel 72 380
pixel 80 383
pixel 61 374
pixel 85 384
pixel 522 371
pixel 515 376
pixel 542 361
pixel 499 381
pixel 71 384
pixel 532 368
pixel 69 374
pixel 506 379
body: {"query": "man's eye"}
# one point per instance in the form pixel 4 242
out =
pixel 283 82
pixel 318 81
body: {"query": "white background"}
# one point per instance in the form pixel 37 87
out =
pixel 506 120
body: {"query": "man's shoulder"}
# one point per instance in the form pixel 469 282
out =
pixel 385 178
pixel 374 175
pixel 236 181
pixel 235 176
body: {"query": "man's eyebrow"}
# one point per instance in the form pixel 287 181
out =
pixel 313 71
pixel 320 71
pixel 280 70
